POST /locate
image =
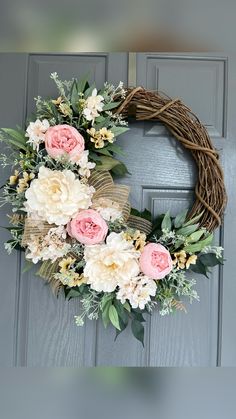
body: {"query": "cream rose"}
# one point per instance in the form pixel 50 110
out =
pixel 109 265
pixel 56 196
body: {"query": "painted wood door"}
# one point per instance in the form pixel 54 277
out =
pixel 36 328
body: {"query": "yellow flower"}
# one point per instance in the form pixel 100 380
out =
pixel 191 261
pixel 180 259
pixel 99 137
pixel 65 109
pixel 137 237
pixel 14 178
pixel 77 280
pixel 139 240
pixel 57 101
pixel 107 135
pixel 65 264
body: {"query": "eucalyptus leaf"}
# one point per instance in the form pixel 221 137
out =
pixel 194 237
pixel 180 218
pixel 166 222
pixel 194 219
pixel 109 106
pixel 198 247
pixel 187 230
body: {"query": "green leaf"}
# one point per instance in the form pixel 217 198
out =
pixel 113 316
pixel 199 268
pixel 137 315
pixel 119 130
pixel 180 218
pixel 73 294
pixel 105 315
pixel 107 298
pixel 109 106
pixel 15 138
pixel 187 230
pixel 74 97
pixel 116 149
pixel 138 330
pixel 194 219
pixel 194 237
pixel 156 229
pixel 88 92
pixel 27 266
pixel 198 247
pixel 107 163
pixel 120 169
pixel 122 313
pixel 104 151
pixel 210 259
pixel 146 214
pixel 166 223
pixel 127 307
pixel 82 84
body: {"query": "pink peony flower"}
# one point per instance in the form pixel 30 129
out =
pixel 62 140
pixel 88 227
pixel 155 261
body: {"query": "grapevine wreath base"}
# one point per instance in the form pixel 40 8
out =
pixel 71 218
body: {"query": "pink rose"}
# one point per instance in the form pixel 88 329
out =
pixel 155 261
pixel 64 140
pixel 88 227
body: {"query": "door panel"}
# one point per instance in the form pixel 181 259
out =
pixel 12 88
pixel 163 176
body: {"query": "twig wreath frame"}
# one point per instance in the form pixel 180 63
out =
pixel 185 126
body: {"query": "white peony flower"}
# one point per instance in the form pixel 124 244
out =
pixel 84 164
pixel 111 264
pixel 137 291
pixel 56 196
pixel 36 132
pixel 93 105
pixel 108 209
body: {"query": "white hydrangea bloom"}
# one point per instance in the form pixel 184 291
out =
pixel 108 209
pixel 93 105
pixel 50 247
pixel 57 196
pixel 36 132
pixel 137 291
pixel 110 264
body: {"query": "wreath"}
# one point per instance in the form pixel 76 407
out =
pixel 71 218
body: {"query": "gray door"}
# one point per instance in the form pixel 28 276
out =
pixel 36 329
